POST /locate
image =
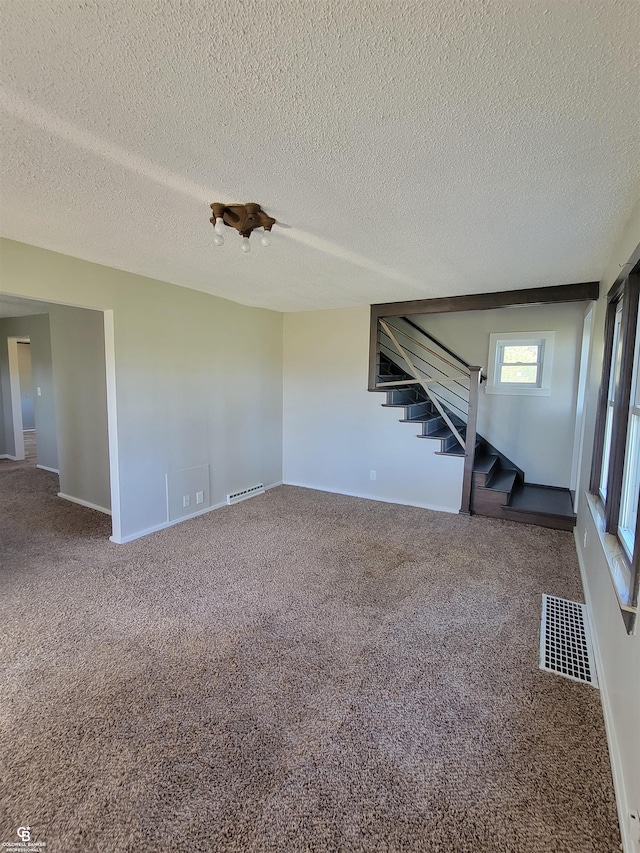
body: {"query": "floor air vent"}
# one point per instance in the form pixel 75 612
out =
pixel 242 495
pixel 565 641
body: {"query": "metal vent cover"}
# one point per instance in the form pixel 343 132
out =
pixel 565 640
pixel 243 494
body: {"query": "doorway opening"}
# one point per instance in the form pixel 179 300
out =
pixel 22 406
pixel 57 398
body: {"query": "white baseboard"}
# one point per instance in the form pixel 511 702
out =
pixel 46 468
pixel 88 504
pixel 9 456
pixel 372 497
pixel 122 540
pixel 628 844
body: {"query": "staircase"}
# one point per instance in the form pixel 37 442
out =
pixel 498 487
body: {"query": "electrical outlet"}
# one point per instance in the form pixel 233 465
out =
pixel 585 539
pixel 186 500
pixel 39 391
pixel 372 474
pixel 199 497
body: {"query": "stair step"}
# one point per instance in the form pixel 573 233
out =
pixel 542 500
pixel 484 464
pixel 432 425
pixel 502 480
pixel 419 409
pixel 404 396
pixel 421 419
pixel 455 450
pixel 484 468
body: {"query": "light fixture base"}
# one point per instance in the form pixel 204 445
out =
pixel 243 217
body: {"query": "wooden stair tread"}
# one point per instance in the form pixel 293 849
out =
pixel 502 481
pixel 443 432
pixel 484 464
pixel 542 500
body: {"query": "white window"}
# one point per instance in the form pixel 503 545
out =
pixel 520 363
pixel 614 378
pixel 631 470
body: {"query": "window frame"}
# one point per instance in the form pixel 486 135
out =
pixel 619 372
pixel 500 340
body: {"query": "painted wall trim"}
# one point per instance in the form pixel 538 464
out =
pixel 622 806
pixel 84 503
pixel 14 395
pixel 372 497
pixel 9 456
pixel 46 468
pixel 133 536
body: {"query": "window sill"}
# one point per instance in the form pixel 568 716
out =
pixel 619 567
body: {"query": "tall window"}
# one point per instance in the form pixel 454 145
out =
pixel 614 380
pixel 628 519
pixel 615 472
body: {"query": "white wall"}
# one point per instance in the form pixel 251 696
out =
pixel 335 431
pixel 198 380
pixel 618 653
pixel 36 328
pixel 520 426
pixel 79 375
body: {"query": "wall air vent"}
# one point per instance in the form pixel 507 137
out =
pixel 252 491
pixel 565 640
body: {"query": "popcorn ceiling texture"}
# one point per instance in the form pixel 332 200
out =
pixel 296 673
pixel 417 149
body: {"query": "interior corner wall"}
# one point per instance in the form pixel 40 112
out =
pixel 335 432
pixel 198 379
pixel 36 328
pixel 78 354
pixel 517 425
pixel 618 654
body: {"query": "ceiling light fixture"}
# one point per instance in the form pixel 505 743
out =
pixel 244 218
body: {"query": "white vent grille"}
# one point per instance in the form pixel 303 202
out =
pixel 236 497
pixel 565 640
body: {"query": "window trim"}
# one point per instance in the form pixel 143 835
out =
pixel 627 292
pixel 497 341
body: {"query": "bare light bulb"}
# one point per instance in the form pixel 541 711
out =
pixel 245 245
pixel 219 227
pixel 218 239
pixel 266 239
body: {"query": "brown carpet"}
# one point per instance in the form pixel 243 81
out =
pixel 30 454
pixel 300 672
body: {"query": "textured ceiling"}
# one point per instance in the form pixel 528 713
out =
pixel 417 149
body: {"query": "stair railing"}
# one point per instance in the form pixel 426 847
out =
pixel 425 381
pixel 444 382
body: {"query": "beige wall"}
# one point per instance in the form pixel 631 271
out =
pixel 618 653
pixel 36 328
pixel 198 380
pixel 335 431
pixel 79 375
pixel 520 426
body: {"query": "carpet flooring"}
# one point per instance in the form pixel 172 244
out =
pixel 299 672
